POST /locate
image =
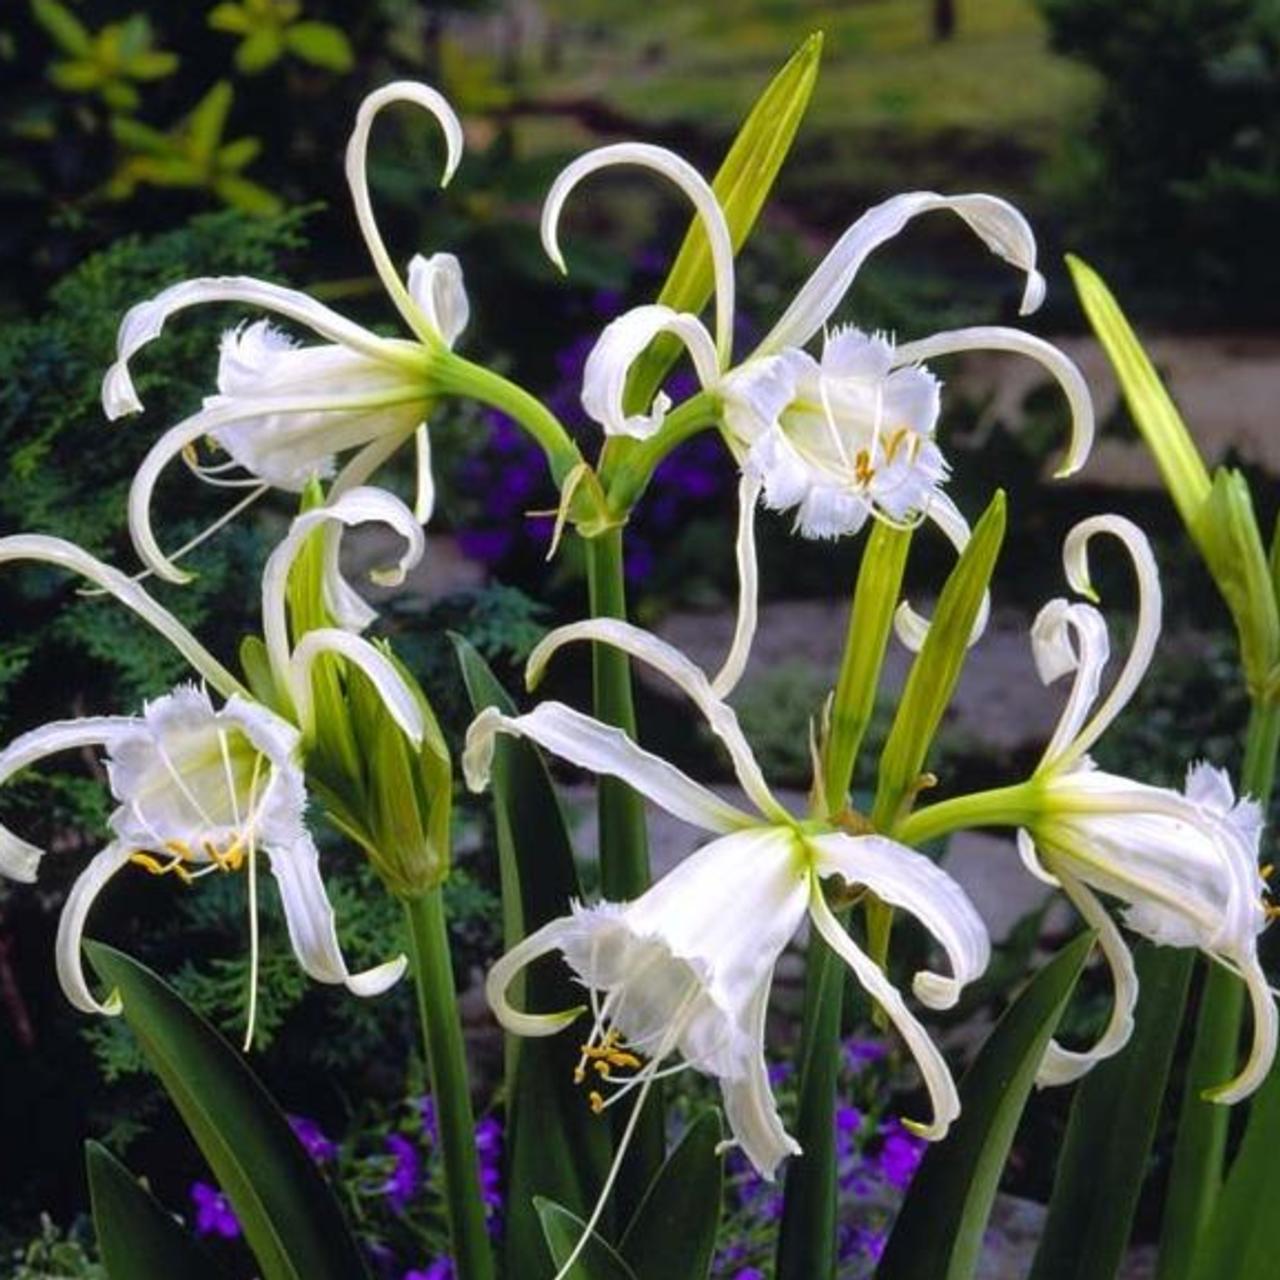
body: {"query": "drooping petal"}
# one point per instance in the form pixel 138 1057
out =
pixel 144 322
pixel 1001 227
pixel 66 555
pixel 908 880
pixel 1059 1065
pixel 20 860
pixel 1067 638
pixel 750 1107
pixel 937 1077
pixel 312 932
pixel 1029 856
pixel 691 182
pixel 361 505
pixel 604 378
pixel 498 982
pixel 663 657
pixel 744 631
pixel 1061 366
pixel 358 180
pixel 88 884
pixel 438 290
pixel 1262 1051
pixel 910 626
pixel 1075 556
pixel 604 750
pixel 424 497
pixel 396 695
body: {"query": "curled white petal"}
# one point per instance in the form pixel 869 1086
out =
pixel 1060 365
pixel 539 943
pixel 910 626
pixel 648 648
pixel 396 695
pixel 744 630
pixel 1059 1065
pixel 906 879
pixel 66 555
pixel 358 180
pixel 604 378
pixel 1001 227
pixel 1068 637
pixel 1030 859
pixel 589 744
pixel 439 292
pixel 1262 1051
pixel 88 884
pixel 20 860
pixel 937 1077
pixel 312 932
pixel 144 322
pixel 1075 556
pixel 691 182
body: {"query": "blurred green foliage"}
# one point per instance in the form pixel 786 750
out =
pixel 270 29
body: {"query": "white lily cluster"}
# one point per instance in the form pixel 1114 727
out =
pixel 204 788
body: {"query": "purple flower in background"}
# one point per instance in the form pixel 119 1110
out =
pixel 870 1242
pixel 440 1269
pixel 214 1214
pixel 489 1151
pixel 900 1155
pixel 749 1273
pixel 779 1072
pixel 406 1175
pixel 430 1125
pixel 862 1053
pixel 308 1132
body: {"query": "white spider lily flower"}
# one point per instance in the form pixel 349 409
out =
pixel 1185 865
pixel 850 434
pixel 283 412
pixel 674 974
pixel 202 789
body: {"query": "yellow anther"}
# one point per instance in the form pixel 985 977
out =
pixel 628 1061
pixel 893 440
pixel 180 848
pixel 147 863
pixel 862 467
pixel 579 1074
pixel 596 1101
pixel 601 1067
pixel 1267 870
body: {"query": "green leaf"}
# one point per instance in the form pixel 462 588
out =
pixel 673 1233
pixel 562 1230
pixel 137 1237
pixel 936 668
pixel 320 44
pixel 938 1234
pixel 556 1147
pixel 289 1215
pixel 248 197
pixel 230 17
pixel 742 185
pixel 259 50
pixel 63 25
pixel 208 119
pixel 1113 1122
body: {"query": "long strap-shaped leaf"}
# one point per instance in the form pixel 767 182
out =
pixel 137 1238
pixel 1113 1121
pixel 289 1215
pixel 555 1146
pixel 938 1234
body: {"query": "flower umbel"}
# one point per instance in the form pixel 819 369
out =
pixel 283 412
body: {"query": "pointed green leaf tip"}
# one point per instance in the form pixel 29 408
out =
pixel 742 185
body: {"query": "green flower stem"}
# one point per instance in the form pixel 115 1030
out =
pixel 1015 806
pixel 447 1064
pixel 454 375
pixel 626 474
pixel 1200 1150
pixel 624 842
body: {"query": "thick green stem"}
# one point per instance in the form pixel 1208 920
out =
pixel 624 843
pixel 1199 1153
pixel 627 466
pixel 1014 806
pixel 447 1064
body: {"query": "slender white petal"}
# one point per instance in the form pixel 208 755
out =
pixel 910 626
pixel 437 289
pixel 1262 1051
pixel 937 1077
pixel 66 555
pixel 602 749
pixel 1059 1065
pixel 1061 366
pixel 744 631
pixel 358 180
pixel 144 322
pixel 361 505
pixel 1004 230
pixel 542 942
pixel 19 860
pixel 1075 555
pixel 604 378
pixel 88 884
pixel 1030 859
pixel 396 695
pixel 1069 637
pixel 309 917
pixel 749 1105
pixel 906 879
pixel 424 498
pixel 691 182
pixel 663 657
